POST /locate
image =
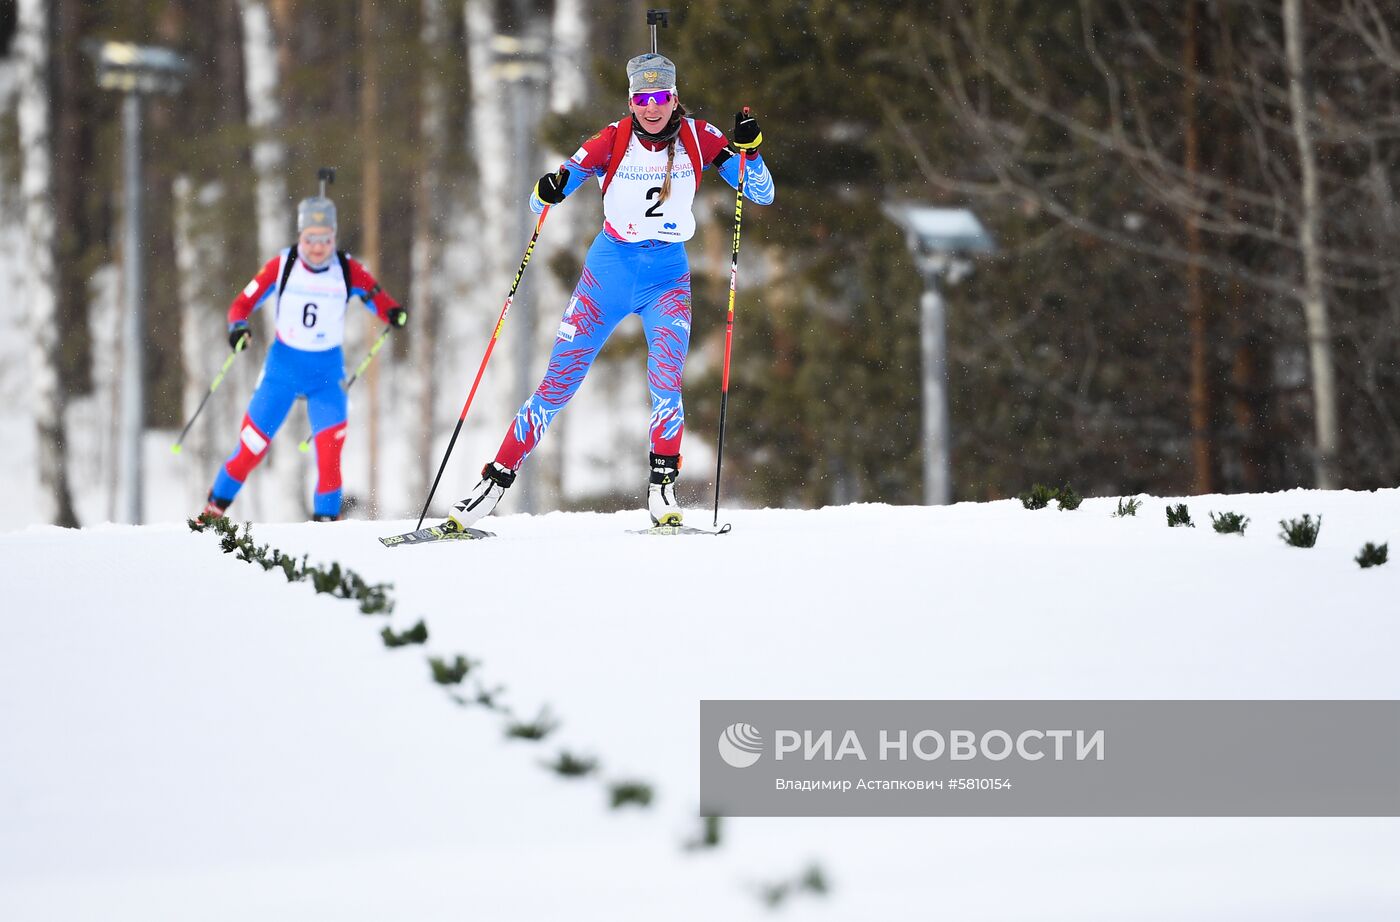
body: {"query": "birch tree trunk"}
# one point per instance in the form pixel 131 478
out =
pixel 1314 298
pixel 264 115
pixel 199 244
pixel 283 475
pixel 36 190
pixel 429 219
pixel 492 227
pixel 567 92
pixel 489 137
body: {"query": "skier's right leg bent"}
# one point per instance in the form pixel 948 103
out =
pixel 271 402
pixel 588 321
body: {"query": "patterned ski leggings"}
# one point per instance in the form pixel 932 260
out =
pixel 650 279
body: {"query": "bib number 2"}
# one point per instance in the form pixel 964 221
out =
pixel 655 210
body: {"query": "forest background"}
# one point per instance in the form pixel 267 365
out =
pixel 1193 204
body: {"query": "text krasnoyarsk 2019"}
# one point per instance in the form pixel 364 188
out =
pixel 1049 758
pixel 932 745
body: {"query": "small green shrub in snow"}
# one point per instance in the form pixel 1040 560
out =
pixel 1229 523
pixel 1037 497
pixel 416 634
pixel 622 793
pixel 568 765
pixel 711 832
pixel 1300 532
pixel 451 672
pixel 1373 556
pixel 1179 516
pixel 533 730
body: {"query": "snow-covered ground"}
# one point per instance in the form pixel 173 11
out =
pixel 187 737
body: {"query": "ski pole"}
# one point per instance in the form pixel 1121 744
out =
pixel 305 445
pixel 729 326
pixel 218 379
pixel 500 323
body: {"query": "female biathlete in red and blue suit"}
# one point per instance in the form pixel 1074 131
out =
pixel 308 287
pixel 648 166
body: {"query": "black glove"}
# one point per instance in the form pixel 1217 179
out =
pixel 239 336
pixel 398 317
pixel 550 188
pixel 747 137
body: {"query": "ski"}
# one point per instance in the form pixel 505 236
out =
pixel 680 530
pixel 434 533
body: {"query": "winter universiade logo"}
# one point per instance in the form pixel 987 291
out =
pixel 740 745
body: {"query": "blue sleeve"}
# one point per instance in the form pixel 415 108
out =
pixel 577 175
pixel 758 182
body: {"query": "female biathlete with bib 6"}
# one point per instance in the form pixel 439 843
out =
pixel 649 167
pixel 308 286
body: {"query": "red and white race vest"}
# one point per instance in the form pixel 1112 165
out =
pixel 632 201
pixel 311 309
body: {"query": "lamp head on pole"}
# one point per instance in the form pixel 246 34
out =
pixel 938 235
pixel 132 68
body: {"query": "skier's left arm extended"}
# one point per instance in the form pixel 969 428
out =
pixel 376 299
pixel 714 151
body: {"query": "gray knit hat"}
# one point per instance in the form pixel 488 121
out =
pixel 650 72
pixel 315 212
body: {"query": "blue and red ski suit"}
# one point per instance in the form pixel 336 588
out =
pixel 636 265
pixel 305 360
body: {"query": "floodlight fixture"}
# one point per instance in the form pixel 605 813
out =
pixel 134 71
pixel 938 238
pixel 130 68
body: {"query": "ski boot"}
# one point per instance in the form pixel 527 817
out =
pixel 479 503
pixel 216 506
pixel 661 491
pixel 322 517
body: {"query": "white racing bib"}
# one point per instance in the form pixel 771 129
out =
pixel 632 204
pixel 311 310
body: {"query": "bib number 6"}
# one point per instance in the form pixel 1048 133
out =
pixel 308 315
pixel 655 210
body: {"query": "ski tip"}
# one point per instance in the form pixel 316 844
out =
pixel 176 448
pixel 304 447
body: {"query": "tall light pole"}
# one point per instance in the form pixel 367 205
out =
pixel 936 237
pixel 134 70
